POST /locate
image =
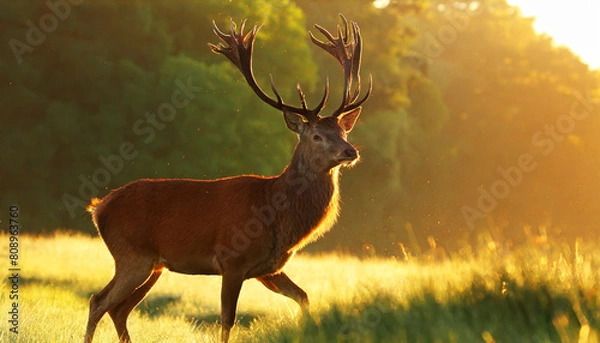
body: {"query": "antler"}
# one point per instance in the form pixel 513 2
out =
pixel 347 49
pixel 239 51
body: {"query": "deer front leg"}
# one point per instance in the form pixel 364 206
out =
pixel 281 283
pixel 230 292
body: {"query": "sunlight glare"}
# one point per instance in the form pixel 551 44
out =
pixel 574 24
pixel 381 3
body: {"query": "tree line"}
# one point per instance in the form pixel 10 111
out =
pixel 476 123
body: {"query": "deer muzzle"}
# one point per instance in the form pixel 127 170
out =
pixel 348 156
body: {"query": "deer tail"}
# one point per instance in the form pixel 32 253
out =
pixel 92 206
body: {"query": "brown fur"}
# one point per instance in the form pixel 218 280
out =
pixel 238 227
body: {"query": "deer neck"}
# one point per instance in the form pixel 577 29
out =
pixel 313 198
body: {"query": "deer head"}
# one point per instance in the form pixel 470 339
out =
pixel 322 139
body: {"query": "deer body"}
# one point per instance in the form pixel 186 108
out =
pixel 239 227
pixel 252 215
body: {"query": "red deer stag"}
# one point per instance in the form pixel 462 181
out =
pixel 239 227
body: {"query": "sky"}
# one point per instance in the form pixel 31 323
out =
pixel 574 23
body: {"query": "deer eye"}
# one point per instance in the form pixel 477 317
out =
pixel 317 138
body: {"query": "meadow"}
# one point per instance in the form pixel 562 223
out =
pixel 541 293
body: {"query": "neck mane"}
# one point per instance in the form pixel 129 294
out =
pixel 313 198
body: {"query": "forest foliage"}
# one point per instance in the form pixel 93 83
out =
pixel 476 123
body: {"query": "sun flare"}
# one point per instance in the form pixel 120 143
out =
pixel 381 3
pixel 574 24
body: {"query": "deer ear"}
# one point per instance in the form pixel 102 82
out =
pixel 295 122
pixel 348 119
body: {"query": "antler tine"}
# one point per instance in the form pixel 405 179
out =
pixel 355 104
pixel 237 47
pixel 327 46
pixel 302 96
pixel 346 30
pixel 279 100
pixel 356 60
pixel 323 102
pixel 346 47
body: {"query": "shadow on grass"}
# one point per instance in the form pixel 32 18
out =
pixel 75 287
pixel 159 305
pixel 156 306
pixel 153 306
pixel 519 313
pixel 243 319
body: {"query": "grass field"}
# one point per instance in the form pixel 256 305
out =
pixel 546 293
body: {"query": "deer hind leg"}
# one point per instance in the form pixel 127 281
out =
pixel 129 276
pixel 281 283
pixel 120 313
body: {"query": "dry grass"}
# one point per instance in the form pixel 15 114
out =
pixel 352 300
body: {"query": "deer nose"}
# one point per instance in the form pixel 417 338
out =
pixel 351 153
